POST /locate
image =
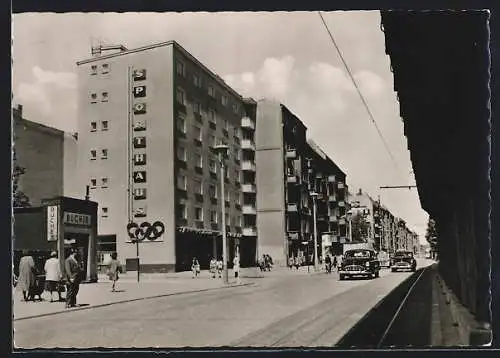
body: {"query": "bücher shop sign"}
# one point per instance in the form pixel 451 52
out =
pixel 76 219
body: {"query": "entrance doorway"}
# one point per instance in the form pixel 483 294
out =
pixel 80 242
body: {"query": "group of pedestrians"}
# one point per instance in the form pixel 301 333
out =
pixel 266 263
pixel 329 263
pixel 31 283
pixel 216 267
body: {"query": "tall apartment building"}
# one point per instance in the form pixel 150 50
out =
pixel 364 205
pixel 148 120
pixel 286 166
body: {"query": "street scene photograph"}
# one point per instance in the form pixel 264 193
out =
pixel 250 180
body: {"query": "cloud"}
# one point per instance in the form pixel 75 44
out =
pixel 370 84
pixel 61 79
pixel 33 93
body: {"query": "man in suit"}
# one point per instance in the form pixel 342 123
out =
pixel 73 277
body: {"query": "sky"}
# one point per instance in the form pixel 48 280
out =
pixel 286 56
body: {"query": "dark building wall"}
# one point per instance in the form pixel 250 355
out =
pixel 40 150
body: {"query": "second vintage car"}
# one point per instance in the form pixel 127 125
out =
pixel 403 260
pixel 359 262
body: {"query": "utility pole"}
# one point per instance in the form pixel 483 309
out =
pixel 221 150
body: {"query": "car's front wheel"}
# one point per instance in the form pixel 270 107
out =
pixel 341 277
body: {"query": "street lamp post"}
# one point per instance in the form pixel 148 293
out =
pixel 221 151
pixel 314 196
pixel 349 216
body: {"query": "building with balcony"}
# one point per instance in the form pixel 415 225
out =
pixel 363 204
pixel 148 120
pixel 286 165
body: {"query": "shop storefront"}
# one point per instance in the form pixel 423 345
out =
pixel 59 224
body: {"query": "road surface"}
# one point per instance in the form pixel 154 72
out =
pixel 282 311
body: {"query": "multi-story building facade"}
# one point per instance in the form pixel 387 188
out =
pixel 48 156
pixel 362 204
pixel 148 121
pixel 288 172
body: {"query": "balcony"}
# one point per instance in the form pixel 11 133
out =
pixel 331 178
pixel 341 204
pixel 291 153
pixel 333 218
pixel 292 208
pixel 249 231
pixel 247 144
pixel 332 198
pixel 249 210
pixel 248 188
pixel 292 179
pixel 248 166
pixel 247 122
pixel 342 222
pixel 341 186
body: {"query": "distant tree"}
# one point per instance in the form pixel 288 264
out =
pixel 19 198
pixel 359 228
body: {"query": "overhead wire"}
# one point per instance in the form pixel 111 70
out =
pixel 370 114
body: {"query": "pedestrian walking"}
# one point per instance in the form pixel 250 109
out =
pixel 290 263
pixel 27 276
pixel 335 262
pixel 328 264
pixel 213 267
pixel 220 267
pixel 195 267
pixel 53 276
pixel 114 268
pixel 297 263
pixel 236 267
pixel 73 277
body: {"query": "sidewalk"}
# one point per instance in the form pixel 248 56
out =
pixel 99 294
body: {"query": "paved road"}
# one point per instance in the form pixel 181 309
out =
pixel 290 311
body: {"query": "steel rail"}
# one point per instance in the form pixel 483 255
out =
pixel 401 305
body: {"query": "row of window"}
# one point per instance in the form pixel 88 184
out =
pixel 104 97
pixel 214 216
pixel 104 183
pixel 182 183
pixel 212 92
pixel 93 154
pixel 182 154
pixel 103 70
pixel 104 126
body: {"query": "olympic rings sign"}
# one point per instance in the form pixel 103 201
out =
pixel 145 230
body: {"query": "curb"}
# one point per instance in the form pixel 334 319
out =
pixel 132 300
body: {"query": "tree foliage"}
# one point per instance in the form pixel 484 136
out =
pixel 19 198
pixel 359 228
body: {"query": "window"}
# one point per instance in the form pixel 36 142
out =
pixel 236 108
pixel 226 194
pixel 212 191
pixel 105 212
pixel 105 68
pixel 93 183
pixel 237 132
pixel 181 153
pixel 198 214
pixel 213 216
pixel 93 126
pixel 198 134
pixel 104 182
pixel 93 154
pixel 198 160
pixel 93 97
pixel 196 107
pixel 180 96
pixel 182 182
pixel 104 154
pixel 181 68
pixel 236 154
pixel 227 219
pixel 93 70
pixel 105 96
pixel 226 174
pixel 182 211
pixel 104 125
pixel 212 166
pixel 238 221
pixel 237 198
pixel 197 80
pixel 224 100
pixel 198 187
pixel 226 124
pixel 211 141
pixel 211 91
pixel 211 115
pixel 181 124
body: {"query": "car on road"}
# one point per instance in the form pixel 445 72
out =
pixel 359 262
pixel 403 260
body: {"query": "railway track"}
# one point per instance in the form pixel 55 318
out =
pixel 400 320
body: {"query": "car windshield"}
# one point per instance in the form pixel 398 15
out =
pixel 403 254
pixel 358 253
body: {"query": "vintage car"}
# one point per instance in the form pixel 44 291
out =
pixel 403 260
pixel 359 262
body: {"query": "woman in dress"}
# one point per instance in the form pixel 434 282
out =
pixel 26 279
pixel 53 275
pixel 113 270
pixel 195 267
